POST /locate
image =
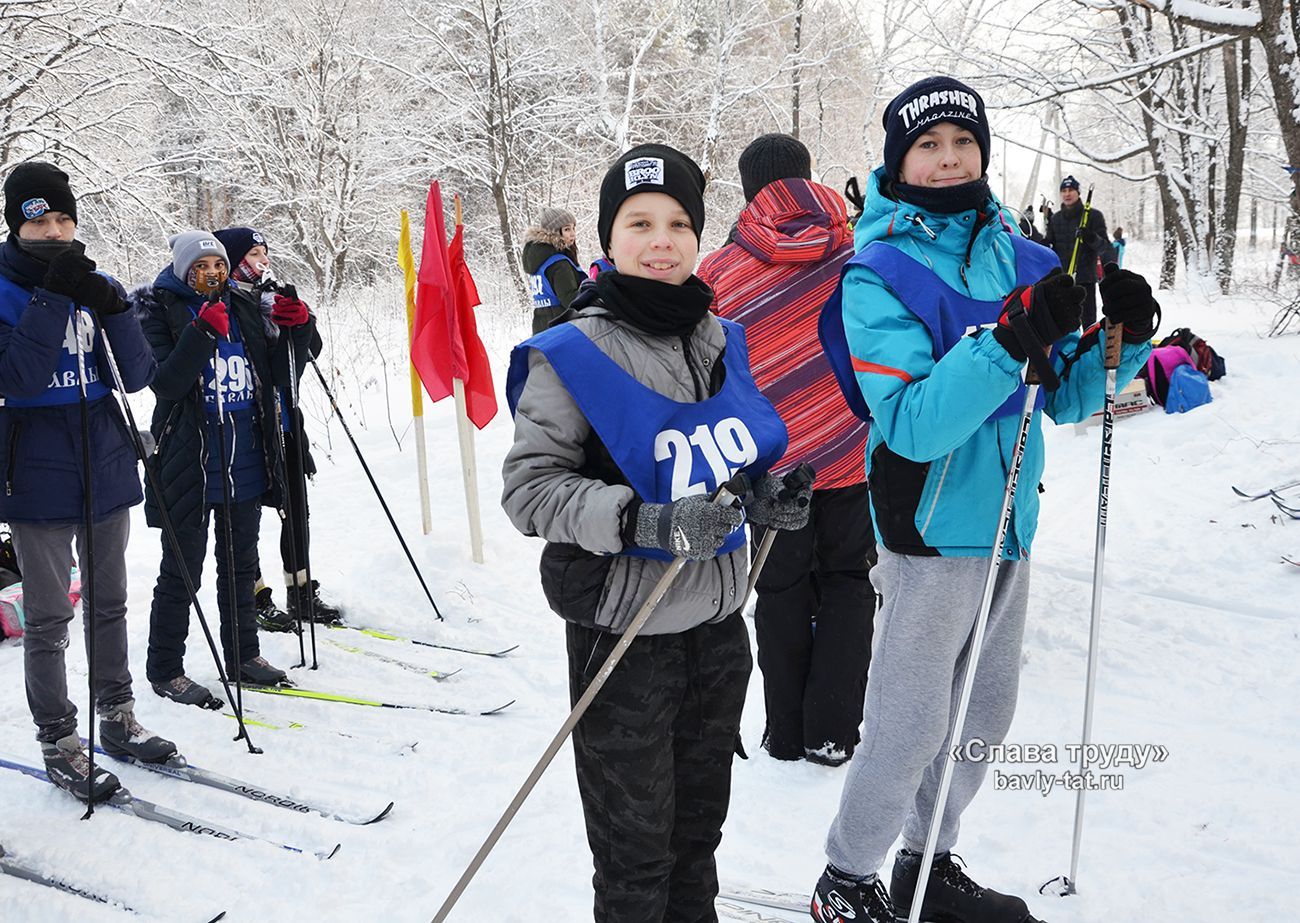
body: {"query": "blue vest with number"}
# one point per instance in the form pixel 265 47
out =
pixel 236 373
pixel 543 293
pixel 947 313
pixel 65 383
pixel 664 448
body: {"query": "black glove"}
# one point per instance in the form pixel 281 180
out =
pixel 781 503
pixel 72 275
pixel 692 527
pixel 1053 305
pixel 1126 299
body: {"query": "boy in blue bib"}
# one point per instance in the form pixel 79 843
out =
pixel 919 332
pixel 626 418
pixel 58 316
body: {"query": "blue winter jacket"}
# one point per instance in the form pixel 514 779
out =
pixel 938 462
pixel 40 424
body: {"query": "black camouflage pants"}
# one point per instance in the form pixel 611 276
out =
pixel 653 755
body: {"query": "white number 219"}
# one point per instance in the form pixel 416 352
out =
pixel 727 447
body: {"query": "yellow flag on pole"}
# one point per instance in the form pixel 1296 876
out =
pixel 406 260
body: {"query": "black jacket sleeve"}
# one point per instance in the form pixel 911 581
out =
pixel 565 280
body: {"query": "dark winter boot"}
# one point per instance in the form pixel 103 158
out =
pixel 270 616
pixel 184 690
pixel 313 607
pixel 839 898
pixel 257 672
pixel 68 767
pixel 951 895
pixel 121 735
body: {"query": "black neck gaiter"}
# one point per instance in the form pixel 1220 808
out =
pixel 654 307
pixel 943 200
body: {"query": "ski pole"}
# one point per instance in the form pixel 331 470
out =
pixel 1114 346
pixel 724 496
pixel 794 481
pixel 981 622
pixel 378 494
pixel 301 460
pixel 88 522
pixel 169 530
pixel 1078 232
pixel 289 520
pixel 232 601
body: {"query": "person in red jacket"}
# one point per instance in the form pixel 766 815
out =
pixel 815 601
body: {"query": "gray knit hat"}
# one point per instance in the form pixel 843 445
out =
pixel 188 247
pixel 555 219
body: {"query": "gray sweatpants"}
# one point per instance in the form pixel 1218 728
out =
pixel 45 558
pixel 918 661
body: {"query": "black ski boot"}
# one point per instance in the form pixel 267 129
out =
pixel 121 735
pixel 270 616
pixel 184 690
pixel 257 672
pixel 68 767
pixel 838 898
pixel 313 607
pixel 951 895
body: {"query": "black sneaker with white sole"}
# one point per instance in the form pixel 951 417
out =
pixel 271 617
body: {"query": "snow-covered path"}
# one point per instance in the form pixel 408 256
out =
pixel 1200 644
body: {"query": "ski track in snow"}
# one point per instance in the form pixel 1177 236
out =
pixel 1199 644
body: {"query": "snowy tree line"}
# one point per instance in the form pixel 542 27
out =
pixel 316 121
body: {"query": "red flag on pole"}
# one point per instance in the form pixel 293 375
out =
pixel 480 396
pixel 436 351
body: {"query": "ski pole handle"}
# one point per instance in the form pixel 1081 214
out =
pixel 1114 345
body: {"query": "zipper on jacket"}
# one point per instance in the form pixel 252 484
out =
pixel 13 458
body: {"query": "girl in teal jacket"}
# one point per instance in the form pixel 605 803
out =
pixel 924 311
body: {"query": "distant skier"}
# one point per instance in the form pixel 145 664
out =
pixel 609 411
pixel 1094 246
pixel 925 307
pixel 56 312
pixel 550 259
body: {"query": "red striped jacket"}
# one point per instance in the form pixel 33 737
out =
pixel 783 263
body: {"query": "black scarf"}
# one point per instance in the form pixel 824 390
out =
pixel 654 307
pixel 19 265
pixel 942 200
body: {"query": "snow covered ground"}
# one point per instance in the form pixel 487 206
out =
pixel 1200 643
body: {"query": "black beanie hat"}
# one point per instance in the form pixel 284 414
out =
pixel 651 168
pixel 769 158
pixel 34 188
pixel 1070 183
pixel 934 99
pixel 238 241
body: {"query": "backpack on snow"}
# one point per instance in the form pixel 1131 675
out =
pixel 1173 381
pixel 1206 360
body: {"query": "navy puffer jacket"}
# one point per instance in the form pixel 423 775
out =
pixel 41 473
pixel 179 424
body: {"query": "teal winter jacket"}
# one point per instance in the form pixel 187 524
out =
pixel 938 460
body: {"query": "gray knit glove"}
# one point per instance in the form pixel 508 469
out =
pixel 693 527
pixel 773 504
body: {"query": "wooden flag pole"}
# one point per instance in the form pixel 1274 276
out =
pixel 417 399
pixel 468 465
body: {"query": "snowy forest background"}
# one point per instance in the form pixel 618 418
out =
pixel 316 120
